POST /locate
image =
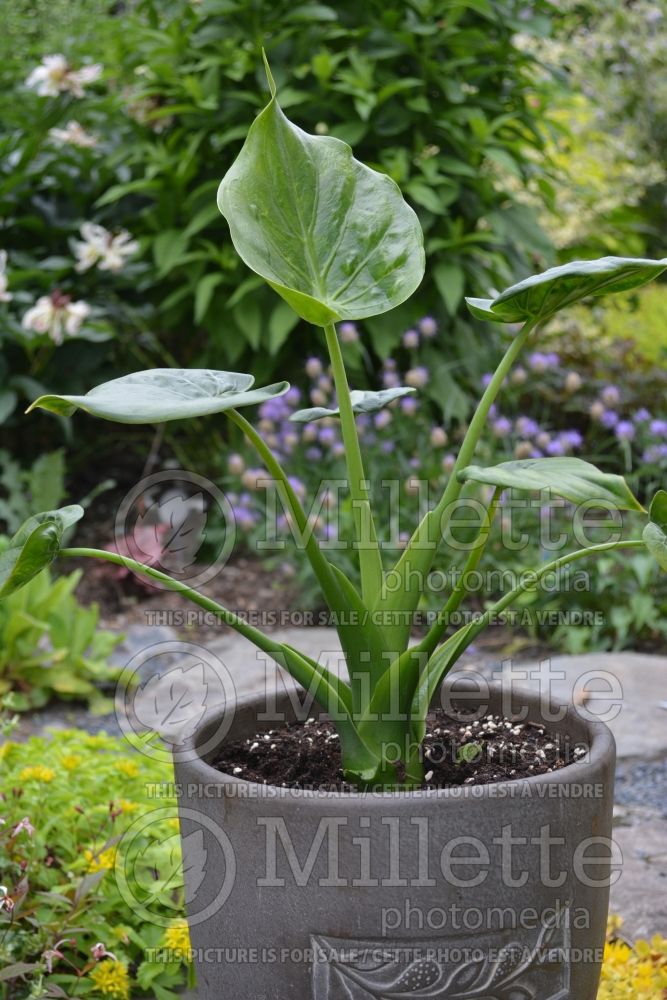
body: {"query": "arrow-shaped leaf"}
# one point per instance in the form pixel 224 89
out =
pixel 333 237
pixel 544 294
pixel 160 394
pixel 571 478
pixel 362 402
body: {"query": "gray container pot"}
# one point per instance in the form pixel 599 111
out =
pixel 493 892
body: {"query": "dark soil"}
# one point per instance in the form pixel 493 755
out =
pixel 307 755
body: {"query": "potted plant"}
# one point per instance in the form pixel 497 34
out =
pixel 354 892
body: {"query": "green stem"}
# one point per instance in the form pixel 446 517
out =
pixel 446 656
pixel 429 532
pixel 370 561
pixel 435 633
pixel 534 577
pixel 320 564
pixel 228 617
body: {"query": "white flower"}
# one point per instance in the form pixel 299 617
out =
pixel 73 135
pixel 5 296
pixel 55 76
pixel 100 248
pixel 57 316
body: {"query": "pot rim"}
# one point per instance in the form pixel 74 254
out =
pixel 600 740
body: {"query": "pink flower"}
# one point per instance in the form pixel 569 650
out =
pixel 99 951
pixel 23 824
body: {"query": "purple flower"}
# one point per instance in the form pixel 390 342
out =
pixel 245 518
pixel 556 448
pixel 313 454
pixel 609 419
pixel 428 327
pixel 387 447
pixel 327 435
pixel 313 367
pixel 417 377
pixel 338 449
pixel 382 419
pixel 610 395
pixel 541 362
pixel 390 380
pixel 526 427
pixel 658 428
pixel 297 485
pixel 572 439
pixel 389 364
pixel 411 339
pixel 348 333
pixel 409 405
pixel 625 430
pixel 486 380
pixel 655 453
pixel 642 415
pixel 275 409
pixel 501 427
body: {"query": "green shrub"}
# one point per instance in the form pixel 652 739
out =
pixel 436 93
pixel 641 319
pixel 51 646
pixel 42 485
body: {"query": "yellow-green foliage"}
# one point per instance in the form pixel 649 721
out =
pixel 641 318
pixel 68 800
pixel 638 973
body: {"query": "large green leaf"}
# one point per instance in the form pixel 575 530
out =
pixel 34 546
pixel 362 402
pixel 655 532
pixel 571 478
pixel 333 237
pixel 541 295
pixel 161 394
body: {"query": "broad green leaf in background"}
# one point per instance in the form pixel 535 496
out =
pixel 544 294
pixel 333 237
pixel 160 394
pixel 655 532
pixel 362 402
pixel 571 478
pixel 34 546
pixel 658 510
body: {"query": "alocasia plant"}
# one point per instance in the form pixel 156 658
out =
pixel 336 240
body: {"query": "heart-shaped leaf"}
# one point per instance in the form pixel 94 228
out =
pixel 655 532
pixel 333 237
pixel 362 402
pixel 544 294
pixel 571 478
pixel 160 394
pixel 34 546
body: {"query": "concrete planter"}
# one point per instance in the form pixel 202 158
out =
pixel 495 892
